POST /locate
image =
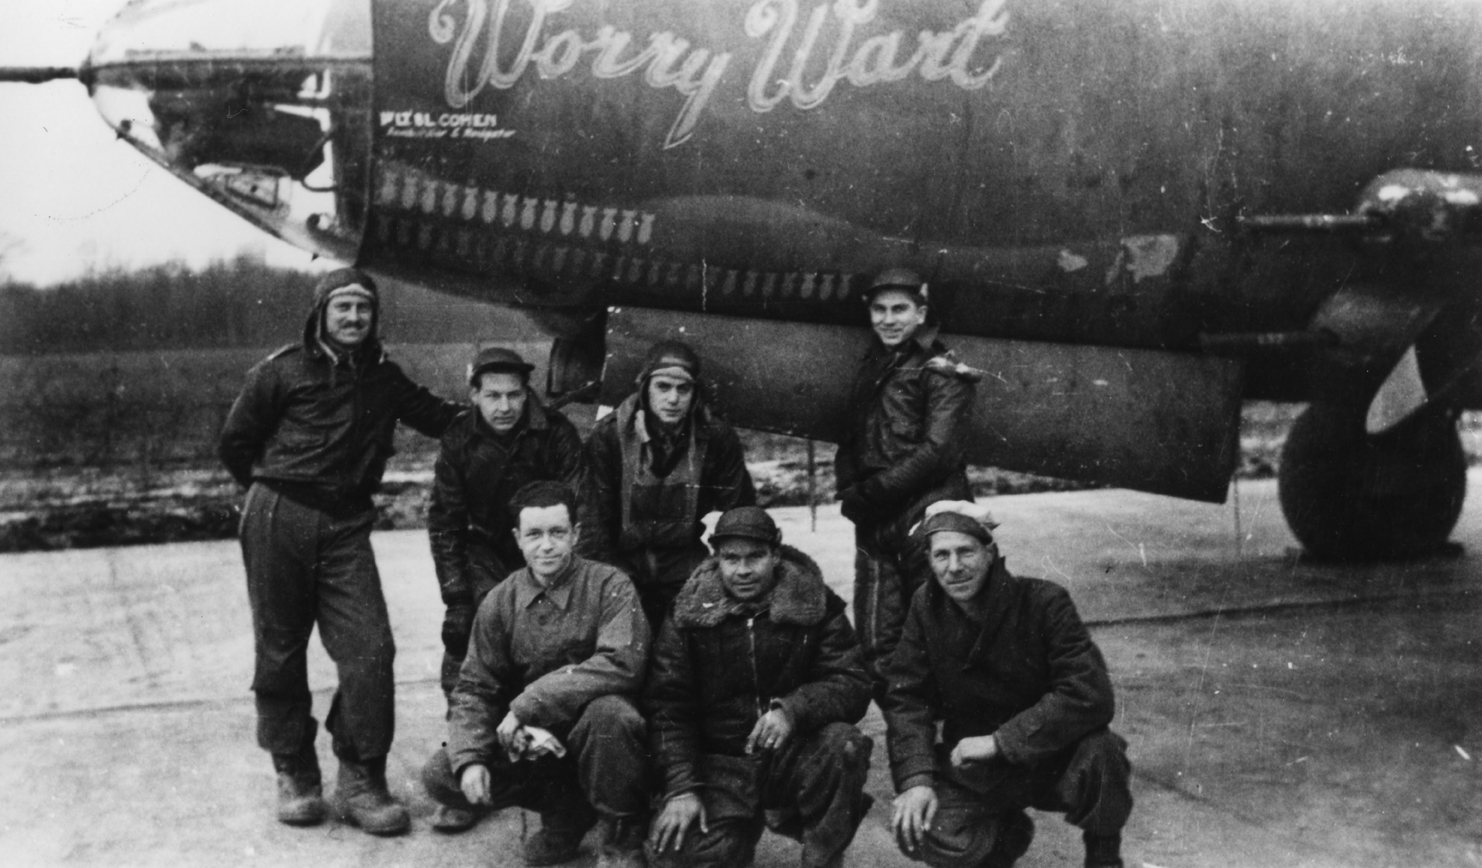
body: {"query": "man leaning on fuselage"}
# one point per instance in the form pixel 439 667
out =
pixel 544 712
pixel 1002 667
pixel 508 440
pixel 309 436
pixel 656 466
pixel 903 447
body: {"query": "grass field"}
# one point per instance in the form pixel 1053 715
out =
pixel 112 448
pixel 159 409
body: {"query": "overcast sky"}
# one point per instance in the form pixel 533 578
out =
pixel 72 197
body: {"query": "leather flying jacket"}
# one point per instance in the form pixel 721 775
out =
pixel 319 426
pixel 719 665
pixel 476 474
pixel 907 430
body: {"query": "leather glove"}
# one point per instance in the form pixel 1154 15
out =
pixel 457 625
pixel 861 502
pixel 853 506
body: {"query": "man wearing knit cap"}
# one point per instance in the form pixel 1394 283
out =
pixel 754 689
pixel 508 440
pixel 309 437
pixel 1004 668
pixel 902 449
pixel 655 467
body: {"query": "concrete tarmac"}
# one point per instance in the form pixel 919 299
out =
pixel 1280 712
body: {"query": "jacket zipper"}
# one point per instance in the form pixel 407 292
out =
pixel 874 625
pixel 756 681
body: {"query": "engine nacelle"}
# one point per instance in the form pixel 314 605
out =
pixel 1153 420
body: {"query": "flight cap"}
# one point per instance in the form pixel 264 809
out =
pixel 902 279
pixel 497 360
pixel 346 280
pixel 956 521
pixel 747 522
pixel 672 359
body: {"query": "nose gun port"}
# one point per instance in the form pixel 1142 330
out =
pixel 263 105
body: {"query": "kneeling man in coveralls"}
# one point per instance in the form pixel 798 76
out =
pixel 544 712
pixel 1006 667
pixel 753 692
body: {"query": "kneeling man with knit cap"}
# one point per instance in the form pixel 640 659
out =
pixel 753 690
pixel 544 712
pixel 1003 666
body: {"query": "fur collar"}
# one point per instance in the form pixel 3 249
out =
pixel 799 597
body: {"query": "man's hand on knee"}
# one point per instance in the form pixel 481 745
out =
pixel 474 781
pixel 512 737
pixel 911 820
pixel 976 749
pixel 680 812
pixel 771 731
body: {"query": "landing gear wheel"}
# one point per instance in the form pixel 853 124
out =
pixel 1351 496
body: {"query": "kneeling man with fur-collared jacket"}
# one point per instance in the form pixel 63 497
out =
pixel 754 688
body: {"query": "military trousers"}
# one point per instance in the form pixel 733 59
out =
pixel 604 771
pixel 887 572
pixel 658 574
pixel 811 790
pixel 1088 782
pixel 305 567
pixel 485 572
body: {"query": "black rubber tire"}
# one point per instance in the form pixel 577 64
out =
pixel 1350 496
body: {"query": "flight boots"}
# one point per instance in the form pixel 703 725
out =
pixel 450 819
pixel 862 807
pixel 559 837
pixel 622 842
pixel 363 800
pixel 300 788
pixel 300 785
pixel 1102 851
pixel 1015 832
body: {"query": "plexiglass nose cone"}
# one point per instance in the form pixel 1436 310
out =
pixel 264 105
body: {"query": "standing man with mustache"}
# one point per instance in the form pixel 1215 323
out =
pixel 656 466
pixel 508 440
pixel 907 426
pixel 309 437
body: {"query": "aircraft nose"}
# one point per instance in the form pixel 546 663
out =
pixel 263 105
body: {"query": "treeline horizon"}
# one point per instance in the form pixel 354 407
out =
pixel 239 302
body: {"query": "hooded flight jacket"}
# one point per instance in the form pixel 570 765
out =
pixel 628 508
pixel 318 425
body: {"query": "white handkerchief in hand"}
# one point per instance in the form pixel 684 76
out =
pixel 541 741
